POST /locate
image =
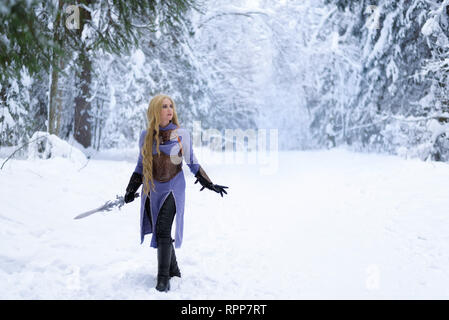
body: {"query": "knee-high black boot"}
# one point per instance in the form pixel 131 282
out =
pixel 174 269
pixel 164 252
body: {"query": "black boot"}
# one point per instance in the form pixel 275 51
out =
pixel 164 252
pixel 174 269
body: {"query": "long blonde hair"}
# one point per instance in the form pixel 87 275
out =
pixel 153 121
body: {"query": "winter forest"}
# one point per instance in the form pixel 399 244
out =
pixel 357 91
pixel 372 75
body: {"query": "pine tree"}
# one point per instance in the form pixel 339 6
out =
pixel 35 36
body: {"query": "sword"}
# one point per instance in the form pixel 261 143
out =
pixel 106 207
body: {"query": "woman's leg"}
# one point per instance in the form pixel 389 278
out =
pixel 164 242
pixel 163 230
pixel 165 218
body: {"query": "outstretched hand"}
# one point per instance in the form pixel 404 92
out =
pixel 219 189
pixel 214 187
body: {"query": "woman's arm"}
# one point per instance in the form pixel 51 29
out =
pixel 195 167
pixel 188 154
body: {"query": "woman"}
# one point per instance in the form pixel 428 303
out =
pixel 159 167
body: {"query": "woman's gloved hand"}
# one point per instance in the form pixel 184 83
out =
pixel 134 183
pixel 205 182
pixel 219 189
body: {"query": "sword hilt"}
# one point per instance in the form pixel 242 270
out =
pixel 121 199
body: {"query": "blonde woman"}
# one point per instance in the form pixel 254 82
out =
pixel 163 145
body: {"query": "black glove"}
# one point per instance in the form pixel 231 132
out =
pixel 219 189
pixel 133 185
pixel 205 182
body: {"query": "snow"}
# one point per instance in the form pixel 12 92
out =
pixel 392 71
pixel 385 37
pixel 327 224
pixel 437 129
pixel 430 27
pixel 137 62
pixel 6 117
pixel 44 146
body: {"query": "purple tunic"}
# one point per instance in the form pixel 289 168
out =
pixel 177 185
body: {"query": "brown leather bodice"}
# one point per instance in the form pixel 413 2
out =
pixel 163 167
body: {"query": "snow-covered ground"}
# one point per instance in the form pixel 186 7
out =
pixel 327 224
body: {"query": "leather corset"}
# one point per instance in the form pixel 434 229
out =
pixel 163 167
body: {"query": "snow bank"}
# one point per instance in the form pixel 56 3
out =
pixel 48 146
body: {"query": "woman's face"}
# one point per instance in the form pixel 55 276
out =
pixel 166 112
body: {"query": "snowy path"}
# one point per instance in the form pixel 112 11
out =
pixel 329 224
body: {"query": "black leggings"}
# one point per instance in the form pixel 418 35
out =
pixel 165 219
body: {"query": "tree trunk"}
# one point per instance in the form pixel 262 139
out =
pixel 83 126
pixel 59 103
pixel 52 108
pixel 55 93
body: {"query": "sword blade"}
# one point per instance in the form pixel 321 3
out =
pixel 85 214
pixel 106 207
